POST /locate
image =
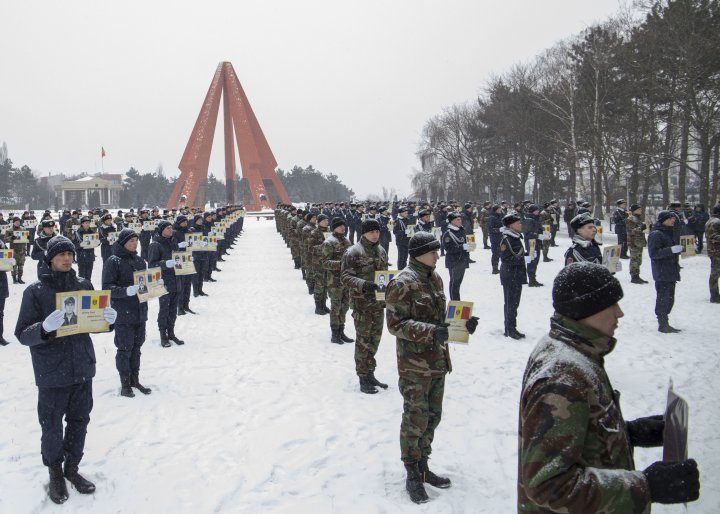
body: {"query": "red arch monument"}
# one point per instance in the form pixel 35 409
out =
pixel 261 187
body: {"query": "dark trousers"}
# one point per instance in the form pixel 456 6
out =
pixel 168 311
pixel 699 236
pixel 351 234
pixel 402 256
pixel 532 267
pixel 385 242
pixel 199 277
pixel 128 341
pixel 495 258
pixel 457 273
pixel 85 269
pixel 512 294
pixel 664 300
pixel 74 403
pixel 622 240
pixel 2 316
pixel 183 283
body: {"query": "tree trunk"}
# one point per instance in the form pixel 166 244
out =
pixel 682 170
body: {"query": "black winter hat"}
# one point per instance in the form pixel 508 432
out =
pixel 664 215
pixel 424 212
pixel 107 216
pixel 454 215
pixel 322 217
pixel 402 209
pixel 716 210
pixel 309 216
pixel 84 219
pixel 336 222
pixel 422 243
pixel 510 218
pixel 532 208
pixel 580 220
pixel 467 206
pixel 181 219
pixel 57 245
pixel 47 223
pixel 582 289
pixel 126 235
pixel 162 224
pixel 495 207
pixel 369 225
pixel 635 207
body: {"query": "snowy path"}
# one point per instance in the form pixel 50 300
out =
pixel 258 412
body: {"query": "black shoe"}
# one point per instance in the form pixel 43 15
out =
pixel 57 489
pixel 471 261
pixel 343 337
pixel 220 259
pixel 374 381
pixel 164 342
pixel 366 387
pixel 20 281
pixel 637 280
pixel 335 336
pixel 181 311
pixel 431 478
pixel 547 259
pixel 196 295
pixel 217 269
pixel 495 271
pixel 187 308
pixel 624 256
pixel 665 328
pixel 643 281
pixel 172 337
pixel 211 280
pixel 514 334
pixel 319 308
pixel 82 485
pixel 4 342
pixel 486 247
pixel 414 484
pixel 325 307
pixel 203 293
pixel 125 389
pixel 534 283
pixel 135 382
pixel 311 289
pixel 714 298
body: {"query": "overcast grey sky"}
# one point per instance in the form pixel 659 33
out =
pixel 344 85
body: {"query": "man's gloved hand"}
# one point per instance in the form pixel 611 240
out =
pixel 170 263
pixel 203 243
pixel 528 259
pixel 541 237
pixel 472 324
pixel 192 259
pixel 12 261
pixel 161 282
pixel 110 315
pixel 369 287
pixel 646 432
pixel 182 244
pixel 441 333
pixel 131 290
pixel 676 248
pixel 673 482
pixel 466 246
pixel 53 321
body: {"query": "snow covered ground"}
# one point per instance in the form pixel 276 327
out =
pixel 259 413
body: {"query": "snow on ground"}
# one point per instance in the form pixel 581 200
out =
pixel 258 412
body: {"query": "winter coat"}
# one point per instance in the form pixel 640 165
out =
pixel 57 361
pixel 401 225
pixel 583 250
pixel 468 221
pixel 712 233
pixel 117 275
pixel 415 307
pixel 512 259
pixel 331 253
pixel 574 449
pixel 315 240
pixel 701 219
pixel 531 227
pixel 618 219
pixel 159 252
pixel 665 263
pixel 495 226
pixel 359 264
pixel 105 247
pixel 423 226
pixel 635 232
pixel 83 255
pixel 455 254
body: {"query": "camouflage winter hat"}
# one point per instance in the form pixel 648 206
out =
pixel 582 289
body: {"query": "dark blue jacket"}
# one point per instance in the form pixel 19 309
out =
pixel 105 247
pixel 57 361
pixel 83 255
pixel 701 218
pixel 454 253
pixel 665 263
pixel 401 238
pixel 512 259
pixel 117 275
pixel 495 226
pixel 468 221
pixel 160 251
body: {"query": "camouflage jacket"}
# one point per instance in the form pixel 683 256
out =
pixel 69 224
pixel 314 241
pixel 299 226
pixel 415 306
pixel 359 264
pixel 331 253
pixel 574 450
pixel 712 233
pixel 546 217
pixel 635 232
pixel 305 243
pixel 483 217
pixel 19 248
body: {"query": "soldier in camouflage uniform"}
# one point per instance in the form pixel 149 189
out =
pixel 19 250
pixel 73 221
pixel 546 220
pixel 575 448
pixel 635 233
pixel 305 253
pixel 416 311
pixel 314 241
pixel 331 253
pixel 483 219
pixel 290 234
pixel 357 273
pixel 712 233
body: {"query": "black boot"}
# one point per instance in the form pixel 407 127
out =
pixel 181 311
pixel 302 270
pixel 534 283
pixel 135 382
pixel 186 308
pixel 297 264
pixel 3 341
pixel 714 298
pixel 164 338
pixel 547 259
pixel 431 478
pixel 495 271
pixel 319 308
pixel 324 306
pixel 365 386
pixel 19 277
pixel 172 337
pixel 665 327
pixel 343 337
pixel 514 334
pixel 57 489
pixel 414 484
pixel 636 280
pixel 374 381
pixel 14 276
pixel 335 337
pixel 125 389
pixel 311 288
pixel 82 485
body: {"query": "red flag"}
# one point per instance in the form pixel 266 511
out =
pixel 102 151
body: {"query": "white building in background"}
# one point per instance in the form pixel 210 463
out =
pixel 82 192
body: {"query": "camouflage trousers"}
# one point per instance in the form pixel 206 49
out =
pixel 545 248
pixel 635 261
pixel 294 250
pixel 368 329
pixel 422 411
pixel 714 274
pixel 319 285
pixel 339 305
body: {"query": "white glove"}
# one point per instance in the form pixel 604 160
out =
pixel 170 263
pixel 131 290
pixel 677 248
pixel 161 282
pixel 182 244
pixel 687 221
pixel 528 259
pixel 13 261
pixel 53 321
pixel 541 237
pixel 203 243
pixel 110 315
pixel 465 246
pixel 192 259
